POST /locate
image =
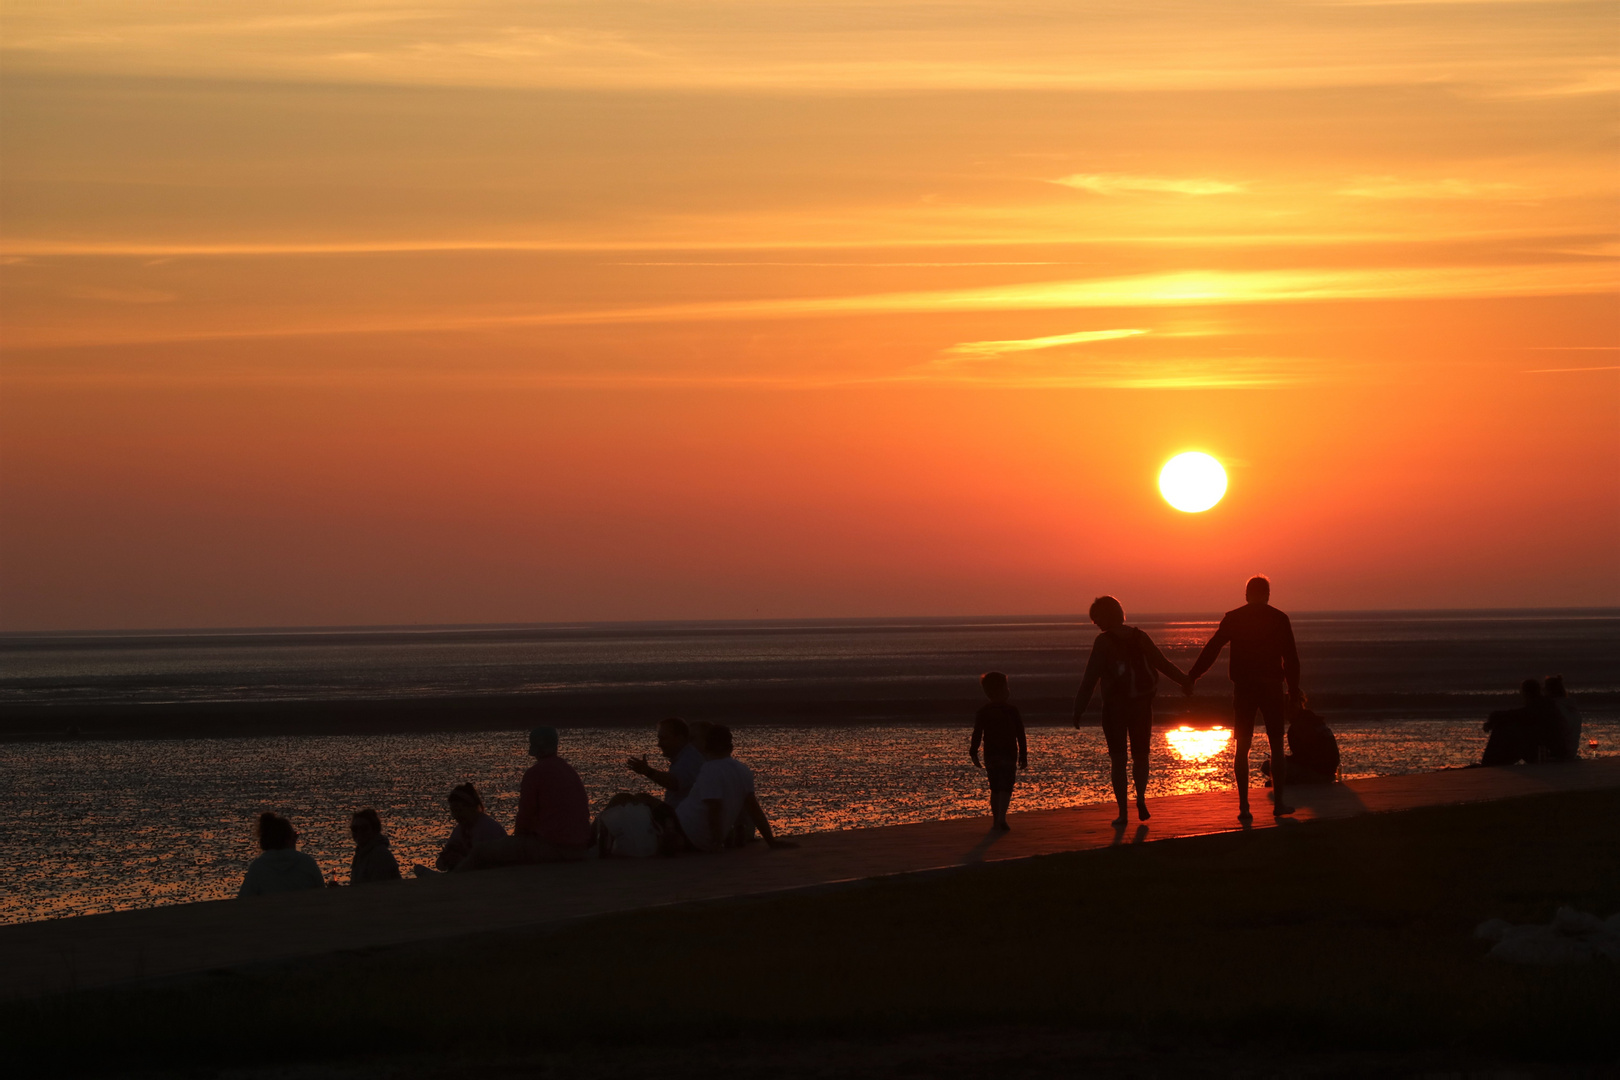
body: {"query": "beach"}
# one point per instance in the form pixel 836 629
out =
pixel 847 724
pixel 1161 943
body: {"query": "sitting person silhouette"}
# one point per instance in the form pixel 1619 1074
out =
pixel 1568 746
pixel 1313 756
pixel 684 756
pixel 472 825
pixel 553 818
pixel 636 825
pixel 282 867
pixel 1521 734
pixel 723 793
pixel 372 859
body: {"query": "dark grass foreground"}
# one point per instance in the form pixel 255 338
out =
pixel 1349 942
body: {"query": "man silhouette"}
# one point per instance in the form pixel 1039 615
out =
pixel 1263 659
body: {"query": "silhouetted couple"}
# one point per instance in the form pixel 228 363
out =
pixel 1545 727
pixel 1265 678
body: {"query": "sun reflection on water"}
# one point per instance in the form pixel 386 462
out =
pixel 1194 744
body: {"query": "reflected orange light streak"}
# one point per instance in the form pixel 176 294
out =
pixel 1192 744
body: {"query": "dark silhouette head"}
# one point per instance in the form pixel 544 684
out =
pixel 1530 688
pixel 698 732
pixel 672 737
pixel 1107 612
pixel 365 825
pixel 995 686
pixel 1553 686
pixel 1258 590
pixel 465 804
pixel 717 741
pixel 543 742
pixel 275 833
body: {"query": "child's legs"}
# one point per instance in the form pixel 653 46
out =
pixel 1003 774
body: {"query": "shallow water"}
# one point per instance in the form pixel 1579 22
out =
pixel 105 826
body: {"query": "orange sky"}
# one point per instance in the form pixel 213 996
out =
pixel 356 313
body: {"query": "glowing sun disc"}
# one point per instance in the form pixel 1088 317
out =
pixel 1192 482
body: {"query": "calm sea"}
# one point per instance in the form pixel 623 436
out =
pixel 846 724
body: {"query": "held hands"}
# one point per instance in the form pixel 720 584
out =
pixel 975 758
pixel 1187 686
pixel 1023 763
pixel 637 765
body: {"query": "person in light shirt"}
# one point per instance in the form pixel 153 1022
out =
pixel 722 794
pixel 282 867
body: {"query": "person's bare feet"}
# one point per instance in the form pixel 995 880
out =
pixel 1121 821
pixel 1281 810
pixel 1142 810
pixel 1002 825
pixel 1243 812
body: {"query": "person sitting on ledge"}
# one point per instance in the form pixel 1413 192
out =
pixel 1519 734
pixel 282 867
pixel 636 825
pixel 372 859
pixel 1568 746
pixel 685 761
pixel 472 825
pixel 1314 757
pixel 724 792
pixel 553 817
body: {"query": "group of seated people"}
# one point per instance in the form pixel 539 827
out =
pixel 708 805
pixel 1545 727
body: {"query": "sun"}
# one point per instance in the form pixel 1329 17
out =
pixel 1192 482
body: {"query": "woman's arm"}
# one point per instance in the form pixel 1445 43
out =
pixel 1088 683
pixel 1161 662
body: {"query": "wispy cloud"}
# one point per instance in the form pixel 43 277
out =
pixel 1191 289
pixel 969 350
pixel 1118 373
pixel 1118 183
pixel 1390 187
pixel 1564 370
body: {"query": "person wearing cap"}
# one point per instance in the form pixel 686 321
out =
pixel 553 817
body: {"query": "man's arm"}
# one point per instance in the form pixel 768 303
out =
pixel 1023 746
pixel 757 814
pixel 1206 659
pixel 1290 659
pixel 978 736
pixel 663 779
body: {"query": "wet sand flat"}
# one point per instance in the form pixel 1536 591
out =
pixel 100 950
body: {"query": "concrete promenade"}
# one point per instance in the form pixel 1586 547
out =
pixel 101 950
